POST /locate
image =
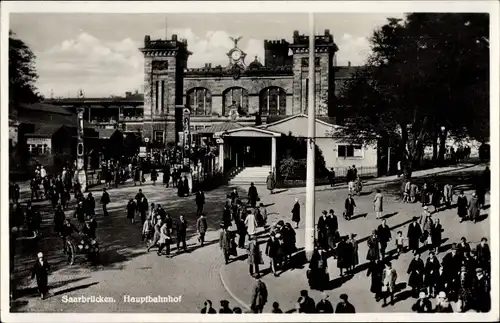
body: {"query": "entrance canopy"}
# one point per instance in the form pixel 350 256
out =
pixel 248 132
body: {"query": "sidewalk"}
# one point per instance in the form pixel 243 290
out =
pixel 286 288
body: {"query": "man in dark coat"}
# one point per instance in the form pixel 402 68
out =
pixel 201 227
pixel 373 247
pixel 414 234
pixel 322 231
pixel 332 227
pixel 384 236
pixel 349 207
pixel 451 263
pixel 481 292
pixel 259 296
pixel 375 270
pixel 200 201
pixel 226 215
pixel 181 233
pixel 344 255
pixel 483 255
pixel 272 252
pixel 344 306
pixel 324 305
pixel 416 274
pixel 462 206
pixel 331 177
pixel 252 195
pixel 89 205
pixel 271 183
pixel 41 271
pixel 105 200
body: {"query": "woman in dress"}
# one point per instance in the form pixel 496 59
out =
pixel 378 204
pixel 375 270
pixel 296 213
pixel 344 256
pixel 436 235
pixel 349 207
pixel 424 195
pixel 462 206
pixel 354 252
pixel 373 253
pixel 318 270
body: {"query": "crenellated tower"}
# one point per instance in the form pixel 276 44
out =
pixel 276 53
pixel 164 65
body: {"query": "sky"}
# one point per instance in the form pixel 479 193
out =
pixel 99 52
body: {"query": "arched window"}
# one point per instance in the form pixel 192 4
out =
pixel 272 101
pixel 199 99
pixel 236 95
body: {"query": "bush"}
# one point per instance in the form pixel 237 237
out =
pixel 293 161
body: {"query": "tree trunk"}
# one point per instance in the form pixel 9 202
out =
pixel 406 156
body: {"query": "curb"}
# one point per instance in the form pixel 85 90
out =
pixel 236 298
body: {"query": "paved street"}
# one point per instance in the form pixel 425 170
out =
pixel 127 268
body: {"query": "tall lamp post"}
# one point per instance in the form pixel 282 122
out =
pixel 311 134
pixel 80 175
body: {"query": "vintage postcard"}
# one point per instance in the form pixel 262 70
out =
pixel 166 160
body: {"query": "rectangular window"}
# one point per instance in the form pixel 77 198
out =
pixel 162 103
pixel 157 95
pixel 159 136
pixel 346 151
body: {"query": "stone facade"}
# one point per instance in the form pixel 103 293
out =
pixel 280 87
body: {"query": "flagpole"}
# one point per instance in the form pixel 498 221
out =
pixel 311 134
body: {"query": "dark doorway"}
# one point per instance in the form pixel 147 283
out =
pixel 250 152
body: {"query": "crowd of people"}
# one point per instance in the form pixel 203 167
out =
pixel 463 274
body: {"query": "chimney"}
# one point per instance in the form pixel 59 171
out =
pixel 147 39
pixel 174 37
pixel 327 32
pixel 349 64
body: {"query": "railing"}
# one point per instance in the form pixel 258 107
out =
pixel 371 171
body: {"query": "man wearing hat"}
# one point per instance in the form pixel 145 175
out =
pixel 481 292
pixel 451 264
pixel 225 307
pixel 41 271
pixel 442 304
pixel 306 303
pixel 483 255
pixel 324 305
pixel 344 306
pixel 322 231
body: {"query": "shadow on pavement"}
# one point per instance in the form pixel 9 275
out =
pixel 72 289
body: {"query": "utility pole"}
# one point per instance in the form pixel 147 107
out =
pixel 80 175
pixel 311 134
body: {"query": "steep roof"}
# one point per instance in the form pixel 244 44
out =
pixel 106 133
pixel 220 127
pixel 44 130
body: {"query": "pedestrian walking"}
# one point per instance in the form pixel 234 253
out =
pixel 423 304
pixel 296 213
pixel 80 212
pixel 324 305
pixel 344 256
pixel 251 224
pixel 225 243
pixel 465 296
pixel 400 243
pixel 200 201
pixel 354 261
pixel 373 247
pixel 483 255
pixel 416 272
pixel 425 222
pixel 156 234
pixel 413 192
pixel 322 231
pixel 89 205
pixel 463 247
pixel 254 257
pixel 474 208
pixel 259 296
pixel 481 289
pixel 436 235
pixel 332 227
pixel 41 270
pixel 317 274
pixel 181 227
pixel 272 248
pixel 131 209
pixel 345 306
pixel 208 309
pixel 406 191
pixel 349 207
pixel 331 177
pixel 448 194
pixel 389 277
pixel 105 200
pixel 375 271
pixel 378 204
pixel 252 195
pixel 384 236
pixel 462 206
pixel 201 227
pixel 165 239
pixel 414 235
pixel 431 274
pixel 271 183
pixel 154 176
pixel 166 176
pixel 436 198
pixel 148 230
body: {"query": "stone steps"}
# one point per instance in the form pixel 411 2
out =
pixel 256 175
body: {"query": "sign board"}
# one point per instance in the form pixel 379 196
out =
pixel 142 151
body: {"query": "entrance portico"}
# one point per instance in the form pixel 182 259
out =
pixel 248 146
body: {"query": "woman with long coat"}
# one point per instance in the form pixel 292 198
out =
pixel 416 272
pixel 436 198
pixel 354 252
pixel 296 213
pixel 154 176
pixel 166 176
pixel 131 208
pixel 375 270
pixel 431 274
pixel 436 235
pixel 378 203
pixel 424 195
pixel 462 204
pixel 474 208
pixel 344 255
pixel 373 247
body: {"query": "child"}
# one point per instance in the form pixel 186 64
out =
pixel 276 308
pixel 399 243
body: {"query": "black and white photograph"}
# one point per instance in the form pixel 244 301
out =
pixel 233 158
